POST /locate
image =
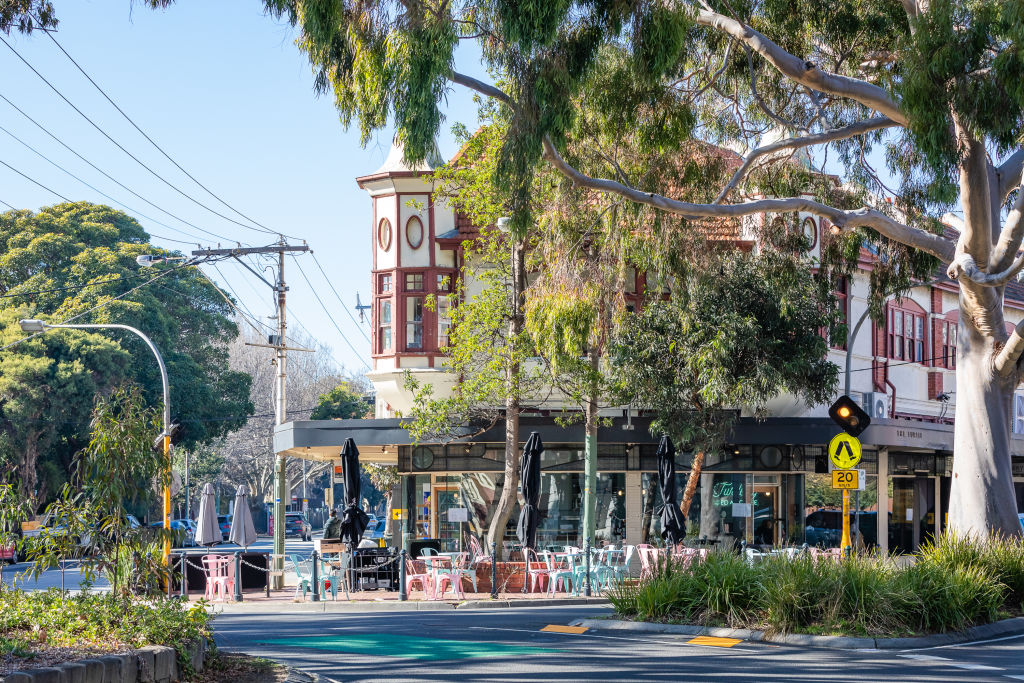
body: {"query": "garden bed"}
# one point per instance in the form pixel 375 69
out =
pixel 45 628
pixel 950 586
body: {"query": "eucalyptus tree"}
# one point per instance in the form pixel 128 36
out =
pixel 933 87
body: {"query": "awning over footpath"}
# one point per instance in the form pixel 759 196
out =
pixel 379 439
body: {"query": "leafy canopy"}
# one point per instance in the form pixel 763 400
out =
pixel 727 339
pixel 58 263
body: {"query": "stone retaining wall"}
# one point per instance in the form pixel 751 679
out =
pixel 152 664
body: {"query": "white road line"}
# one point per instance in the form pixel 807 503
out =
pixel 974 667
pixel 927 658
pixel 594 635
pixel 972 642
pixel 1015 677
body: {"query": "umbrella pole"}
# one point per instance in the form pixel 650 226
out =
pixel 238 576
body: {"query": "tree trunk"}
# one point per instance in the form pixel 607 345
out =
pixel 507 500
pixel 691 483
pixel 982 502
pixel 590 460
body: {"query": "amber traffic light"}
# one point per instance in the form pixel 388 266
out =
pixel 849 416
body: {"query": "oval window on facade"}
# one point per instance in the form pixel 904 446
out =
pixel 414 232
pixel 384 234
pixel 810 232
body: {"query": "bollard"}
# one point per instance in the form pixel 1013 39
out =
pixel 238 577
pixel 184 577
pixel 586 559
pixel 494 570
pixel 267 573
pixel 403 593
pixel 316 577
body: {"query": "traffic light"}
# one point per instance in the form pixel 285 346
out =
pixel 849 416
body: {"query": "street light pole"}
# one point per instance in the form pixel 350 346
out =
pixel 36 326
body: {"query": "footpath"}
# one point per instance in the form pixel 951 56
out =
pixel 364 601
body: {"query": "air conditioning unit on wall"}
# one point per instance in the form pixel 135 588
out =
pixel 876 404
pixel 1018 412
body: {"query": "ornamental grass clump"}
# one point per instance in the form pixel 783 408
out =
pixel 950 585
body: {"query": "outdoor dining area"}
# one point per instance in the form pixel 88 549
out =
pixel 423 572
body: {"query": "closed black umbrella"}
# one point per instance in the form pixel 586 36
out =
pixel 673 524
pixel 529 515
pixel 353 520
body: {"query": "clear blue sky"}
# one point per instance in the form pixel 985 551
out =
pixel 223 89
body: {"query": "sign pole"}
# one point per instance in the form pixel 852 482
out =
pixel 845 542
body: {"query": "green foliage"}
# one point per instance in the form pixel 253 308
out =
pixel 27 15
pixel 63 260
pixel 340 403
pixel 99 622
pixel 947 587
pixel 116 469
pixel 737 336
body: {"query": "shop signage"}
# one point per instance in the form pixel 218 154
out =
pixel 844 451
pixel 397 513
pixel 458 514
pixel 339 474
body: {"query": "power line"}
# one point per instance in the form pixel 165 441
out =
pixel 7 205
pixel 63 289
pixel 110 177
pixel 121 147
pixel 161 150
pixel 33 180
pixel 95 189
pixel 343 306
pixel 328 312
pixel 101 304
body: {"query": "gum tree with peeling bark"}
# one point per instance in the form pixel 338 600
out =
pixel 937 85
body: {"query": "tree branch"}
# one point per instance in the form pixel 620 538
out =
pixel 976 238
pixel 849 131
pixel 1009 174
pixel 803 72
pixel 867 217
pixel 1006 360
pixel 1011 236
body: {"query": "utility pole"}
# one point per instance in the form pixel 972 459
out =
pixel 278 343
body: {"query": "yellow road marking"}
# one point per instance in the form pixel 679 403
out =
pixel 557 628
pixel 716 642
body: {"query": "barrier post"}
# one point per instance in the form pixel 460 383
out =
pixel 586 559
pixel 184 577
pixel 238 576
pixel 316 576
pixel 494 570
pixel 403 594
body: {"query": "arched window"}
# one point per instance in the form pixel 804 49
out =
pixel 384 234
pixel 414 232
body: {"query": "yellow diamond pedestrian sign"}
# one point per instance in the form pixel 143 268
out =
pixel 844 451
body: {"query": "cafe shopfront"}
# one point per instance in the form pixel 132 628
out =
pixel 762 489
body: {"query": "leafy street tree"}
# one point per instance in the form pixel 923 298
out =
pixel 935 86
pixel 59 264
pixel 488 347
pixel 340 403
pixel 731 337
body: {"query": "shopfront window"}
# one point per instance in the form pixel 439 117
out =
pixel 720 514
pixel 444 321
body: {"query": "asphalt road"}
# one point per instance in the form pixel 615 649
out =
pixel 508 645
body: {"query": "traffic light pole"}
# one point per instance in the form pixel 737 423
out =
pixel 280 396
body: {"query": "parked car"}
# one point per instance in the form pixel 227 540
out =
pixel 224 521
pixel 824 528
pixel 1020 516
pixel 184 531
pixel 8 554
pixel 375 529
pixel 295 524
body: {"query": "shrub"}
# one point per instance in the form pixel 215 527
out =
pixel 100 621
pixel 949 585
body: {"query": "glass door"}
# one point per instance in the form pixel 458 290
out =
pixel 446 496
pixel 767 521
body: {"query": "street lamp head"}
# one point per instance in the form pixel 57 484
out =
pixel 148 260
pixel 32 325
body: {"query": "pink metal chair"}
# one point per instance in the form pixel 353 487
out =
pixel 646 552
pixel 219 576
pixel 424 579
pixel 440 569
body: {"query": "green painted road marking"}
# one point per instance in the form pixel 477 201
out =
pixel 393 645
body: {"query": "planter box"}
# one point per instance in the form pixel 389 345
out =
pixel 151 664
